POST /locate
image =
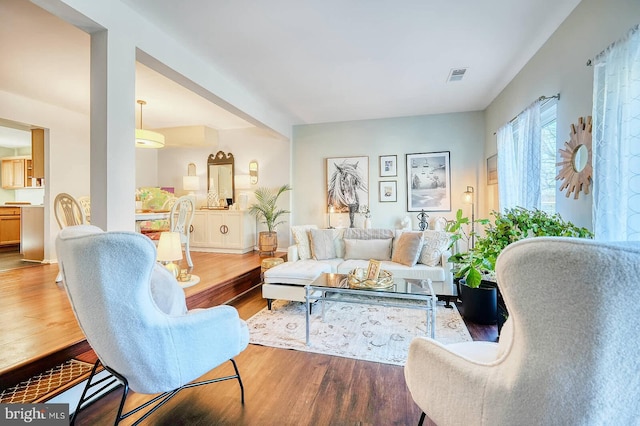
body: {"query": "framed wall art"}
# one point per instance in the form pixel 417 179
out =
pixel 429 182
pixel 388 191
pixel 388 165
pixel 347 183
pixel 492 170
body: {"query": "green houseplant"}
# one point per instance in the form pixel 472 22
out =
pixel 266 208
pixel 476 266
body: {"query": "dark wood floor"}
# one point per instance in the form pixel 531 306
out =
pixel 282 387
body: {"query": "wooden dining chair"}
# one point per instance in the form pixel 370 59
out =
pixel 68 212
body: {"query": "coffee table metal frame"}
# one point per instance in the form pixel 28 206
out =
pixel 335 287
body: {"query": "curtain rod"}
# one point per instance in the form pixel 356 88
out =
pixel 631 31
pixel 540 99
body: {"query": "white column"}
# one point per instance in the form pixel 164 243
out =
pixel 112 131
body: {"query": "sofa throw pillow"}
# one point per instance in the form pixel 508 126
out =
pixel 322 245
pixel 301 237
pixel 435 243
pixel 408 248
pixel 367 249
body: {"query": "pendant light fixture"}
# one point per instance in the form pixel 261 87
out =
pixel 147 138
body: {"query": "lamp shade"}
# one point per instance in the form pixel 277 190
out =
pixel 149 139
pixel 191 183
pixel 169 247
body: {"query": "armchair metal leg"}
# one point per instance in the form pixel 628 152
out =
pixel 422 417
pixel 153 404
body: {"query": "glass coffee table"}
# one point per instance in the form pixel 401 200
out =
pixel 403 293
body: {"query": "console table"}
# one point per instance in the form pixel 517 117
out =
pixel 223 231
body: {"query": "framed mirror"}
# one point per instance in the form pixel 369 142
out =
pixel 576 166
pixel 220 172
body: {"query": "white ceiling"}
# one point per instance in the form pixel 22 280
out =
pixel 322 61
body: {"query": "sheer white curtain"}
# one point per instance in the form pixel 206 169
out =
pixel 616 141
pixel 519 160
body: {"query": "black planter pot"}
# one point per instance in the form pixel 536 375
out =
pixel 480 305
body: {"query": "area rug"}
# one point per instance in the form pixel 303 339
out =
pixel 365 332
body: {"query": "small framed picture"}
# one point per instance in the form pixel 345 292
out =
pixel 388 165
pixel 373 272
pixel 388 191
pixel 492 170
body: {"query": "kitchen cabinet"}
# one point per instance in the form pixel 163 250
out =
pixel 37 153
pixel 223 231
pixel 9 226
pixel 17 173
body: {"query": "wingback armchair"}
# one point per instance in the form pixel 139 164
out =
pixel 134 315
pixel 568 354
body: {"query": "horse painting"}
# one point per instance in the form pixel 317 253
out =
pixel 344 183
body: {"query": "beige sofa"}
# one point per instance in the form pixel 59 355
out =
pixel 406 254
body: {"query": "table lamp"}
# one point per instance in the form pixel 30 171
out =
pixel 170 250
pixel 191 184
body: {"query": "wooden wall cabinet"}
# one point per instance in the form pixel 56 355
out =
pixel 223 231
pixel 17 172
pixel 37 153
pixel 9 226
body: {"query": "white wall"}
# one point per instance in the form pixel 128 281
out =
pixel 66 152
pixel 461 134
pixel 559 67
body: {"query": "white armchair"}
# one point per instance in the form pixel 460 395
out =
pixel 568 353
pixel 134 315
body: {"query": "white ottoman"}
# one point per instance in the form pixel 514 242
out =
pixel 287 280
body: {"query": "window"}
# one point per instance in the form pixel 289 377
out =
pixel 527 158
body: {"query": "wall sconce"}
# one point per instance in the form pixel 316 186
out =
pixel 169 251
pixel 253 172
pixel 467 198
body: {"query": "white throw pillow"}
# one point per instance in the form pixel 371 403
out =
pixel 367 249
pixel 407 250
pixel 301 237
pixel 322 246
pixel 435 243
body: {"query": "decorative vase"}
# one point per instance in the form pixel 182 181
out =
pixel 367 223
pixel 267 242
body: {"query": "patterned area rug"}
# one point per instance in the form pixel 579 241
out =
pixel 44 383
pixel 365 332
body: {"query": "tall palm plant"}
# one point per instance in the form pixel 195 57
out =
pixel 266 206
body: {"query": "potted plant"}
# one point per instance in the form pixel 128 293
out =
pixel 477 265
pixel 479 297
pixel 266 207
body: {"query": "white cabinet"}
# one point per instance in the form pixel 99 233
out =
pixel 223 231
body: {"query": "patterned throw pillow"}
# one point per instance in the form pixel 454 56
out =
pixel 435 243
pixel 408 248
pixel 301 237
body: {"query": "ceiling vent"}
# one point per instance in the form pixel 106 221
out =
pixel 456 74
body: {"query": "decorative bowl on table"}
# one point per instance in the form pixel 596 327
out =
pixel 357 278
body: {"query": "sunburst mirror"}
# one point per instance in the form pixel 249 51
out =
pixel 576 167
